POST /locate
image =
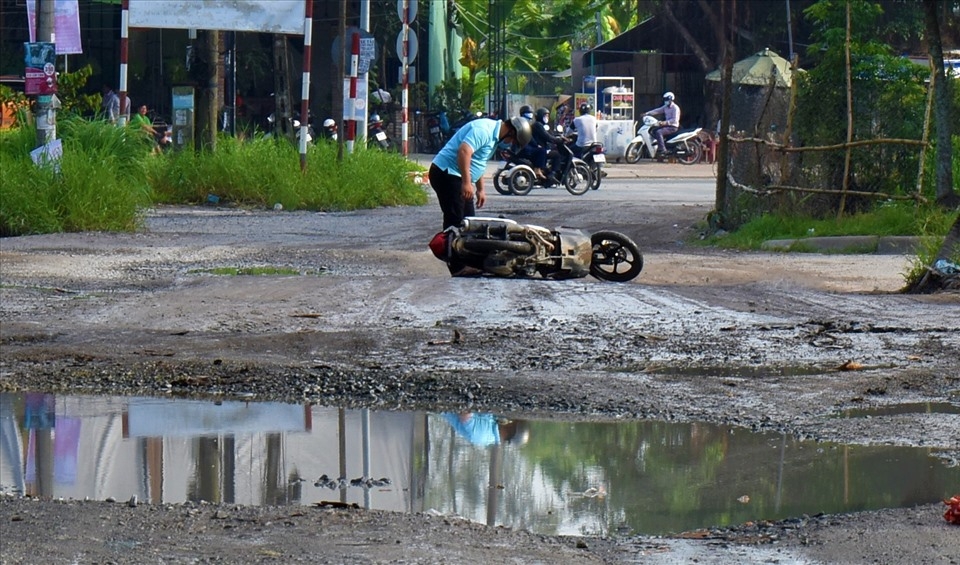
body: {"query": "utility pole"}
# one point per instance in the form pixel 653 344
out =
pixel 46 113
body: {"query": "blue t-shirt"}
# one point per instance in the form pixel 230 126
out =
pixel 480 134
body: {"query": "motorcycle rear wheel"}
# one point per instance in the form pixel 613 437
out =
pixel 521 181
pixel 597 173
pixel 615 257
pixel 501 181
pixel 634 152
pixel 579 179
pixel 692 154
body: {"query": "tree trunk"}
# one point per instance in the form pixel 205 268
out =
pixel 941 93
pixel 701 55
pixel 208 94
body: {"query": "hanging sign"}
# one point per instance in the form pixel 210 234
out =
pixel 40 72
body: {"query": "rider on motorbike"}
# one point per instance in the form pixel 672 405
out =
pixel 547 142
pixel 670 123
pixel 586 127
pixel 533 151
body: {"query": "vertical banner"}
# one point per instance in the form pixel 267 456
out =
pixel 66 25
pixel 40 70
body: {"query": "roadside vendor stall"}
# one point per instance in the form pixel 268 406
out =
pixel 612 99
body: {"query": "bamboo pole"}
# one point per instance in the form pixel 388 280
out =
pixel 791 110
pixel 926 125
pixel 846 160
pixel 861 143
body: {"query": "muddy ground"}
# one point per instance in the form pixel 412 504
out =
pixel 752 339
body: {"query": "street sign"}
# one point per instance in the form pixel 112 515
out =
pixel 411 10
pixel 368 51
pixel 412 46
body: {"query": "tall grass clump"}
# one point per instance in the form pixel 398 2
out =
pixel 98 184
pixel 263 172
pixel 891 218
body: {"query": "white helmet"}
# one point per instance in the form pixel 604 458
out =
pixel 668 97
pixel 329 123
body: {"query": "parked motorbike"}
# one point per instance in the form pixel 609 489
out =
pixel 506 248
pixel 435 135
pixel 685 144
pixel 518 177
pixel 376 134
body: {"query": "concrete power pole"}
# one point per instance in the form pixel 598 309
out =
pixel 46 128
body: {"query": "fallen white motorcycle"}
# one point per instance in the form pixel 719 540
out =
pixel 505 248
pixel 685 145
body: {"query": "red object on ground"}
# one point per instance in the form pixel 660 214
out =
pixel 439 245
pixel 952 514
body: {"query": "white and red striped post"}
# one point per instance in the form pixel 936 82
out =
pixel 354 68
pixel 305 88
pixel 124 36
pixel 405 96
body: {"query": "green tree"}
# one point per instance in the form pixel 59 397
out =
pixel 888 97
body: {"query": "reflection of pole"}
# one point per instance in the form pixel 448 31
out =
pixel 342 430
pixel 305 87
pixel 365 441
pixel 354 67
pixel 493 493
pixel 124 36
pixel 207 484
pixel 783 450
pixel 44 458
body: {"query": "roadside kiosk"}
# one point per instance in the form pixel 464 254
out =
pixel 612 100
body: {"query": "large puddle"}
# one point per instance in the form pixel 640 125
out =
pixel 545 476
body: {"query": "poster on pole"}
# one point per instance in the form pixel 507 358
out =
pixel 66 25
pixel 40 72
pixel 268 16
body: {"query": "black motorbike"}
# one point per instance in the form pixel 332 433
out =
pixel 378 136
pixel 518 177
pixel 505 248
pixel 593 155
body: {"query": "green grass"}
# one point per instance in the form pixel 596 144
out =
pixel 98 184
pixel 266 172
pixel 108 177
pixel 886 220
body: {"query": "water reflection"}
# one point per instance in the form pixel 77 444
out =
pixel 545 476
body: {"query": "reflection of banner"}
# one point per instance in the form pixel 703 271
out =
pixel 40 73
pixel 269 16
pixel 66 25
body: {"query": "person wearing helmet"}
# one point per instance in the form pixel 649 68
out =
pixel 586 127
pixel 670 123
pixel 456 172
pixel 375 120
pixel 546 146
pixel 330 129
pixel 526 112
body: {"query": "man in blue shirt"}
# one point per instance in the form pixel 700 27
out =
pixel 456 173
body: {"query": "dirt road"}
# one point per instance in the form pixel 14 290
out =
pixel 752 339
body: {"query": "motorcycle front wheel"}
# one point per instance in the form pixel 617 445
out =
pixel 501 181
pixel 521 181
pixel 579 179
pixel 634 152
pixel 615 257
